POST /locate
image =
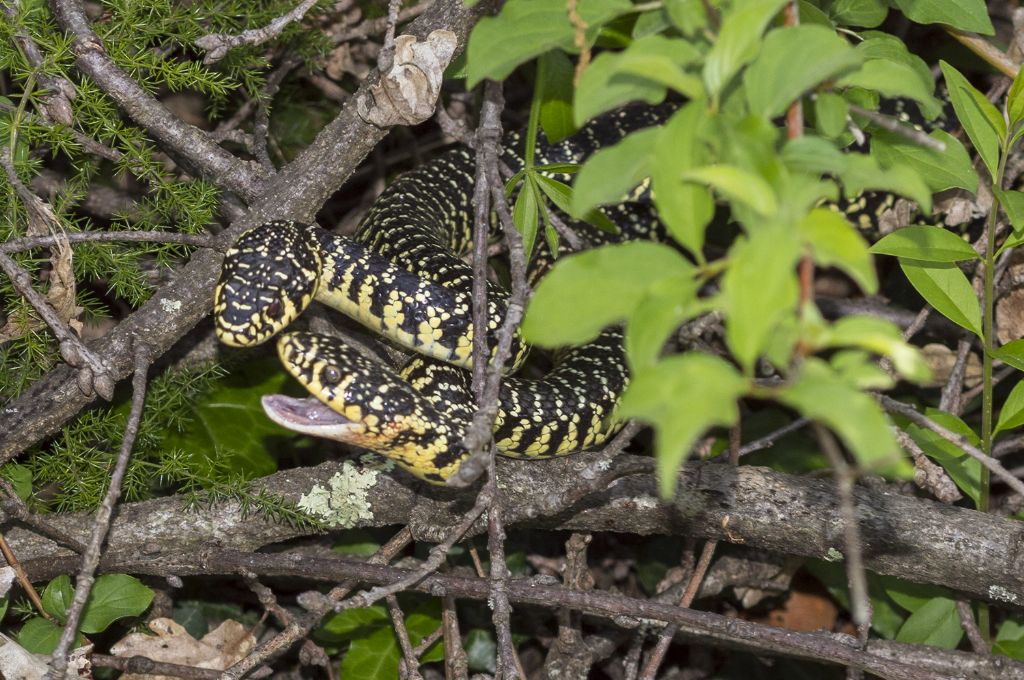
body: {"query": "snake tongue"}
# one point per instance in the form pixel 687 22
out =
pixel 307 416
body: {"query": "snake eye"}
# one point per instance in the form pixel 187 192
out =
pixel 330 376
pixel 274 309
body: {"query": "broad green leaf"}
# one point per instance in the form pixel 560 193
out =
pixel 759 287
pixel 613 171
pixel 860 369
pixel 525 215
pixel 612 79
pixel 813 155
pixel 1012 413
pixel 937 624
pixel 909 595
pixel 738 41
pixel 961 468
pixel 926 244
pixel 231 419
pixel 686 209
pixel 481 651
pixel 375 655
pixel 1010 640
pixel 525 29
pixel 39 636
pixel 834 242
pixel 892 79
pixel 793 60
pixel 20 477
pixel 737 185
pixel 689 16
pixel 830 112
pixel 651 23
pixel 587 291
pixel 881 337
pixel 113 597
pixel 940 170
pixel 682 396
pixel 352 623
pixel 947 289
pixel 57 597
pixel 1011 354
pixel 862 173
pixel 668 304
pixel 821 394
pixel 556 95
pixel 967 15
pixel 663 65
pixel 1015 100
pixel 980 119
pixel 865 13
pixel 879 45
pixel 1012 203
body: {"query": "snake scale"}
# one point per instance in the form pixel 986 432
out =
pixel 401 276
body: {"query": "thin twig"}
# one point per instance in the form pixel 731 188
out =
pixel 993 465
pixel 456 663
pixel 928 475
pixel 23 580
pixel 385 60
pixel 769 439
pixel 29 242
pixel 860 604
pixel 970 626
pixel 410 659
pixel 91 558
pixel 896 127
pixel 144 666
pixel 368 28
pixel 217 45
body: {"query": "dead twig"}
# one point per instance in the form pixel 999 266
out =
pixel 91 558
pixel 217 45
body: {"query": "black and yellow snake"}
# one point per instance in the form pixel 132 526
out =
pixel 402 277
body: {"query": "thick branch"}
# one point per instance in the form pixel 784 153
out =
pixel 920 540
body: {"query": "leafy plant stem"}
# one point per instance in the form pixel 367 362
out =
pixel 534 123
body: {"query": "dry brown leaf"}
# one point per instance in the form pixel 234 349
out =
pixel 941 360
pixel 227 644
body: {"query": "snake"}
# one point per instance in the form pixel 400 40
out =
pixel 401 275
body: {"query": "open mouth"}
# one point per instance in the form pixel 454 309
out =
pixel 308 416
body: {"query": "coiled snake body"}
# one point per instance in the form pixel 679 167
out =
pixel 402 277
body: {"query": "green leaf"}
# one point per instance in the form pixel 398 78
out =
pixel 937 624
pixel 967 15
pixel 528 28
pixel 374 653
pixel 667 305
pixel 865 13
pixel 525 215
pixel 909 595
pixel 1012 203
pixel 560 195
pixel 481 651
pixel 682 396
pixel 940 170
pixel 891 79
pixel 879 45
pixel 861 173
pixel 352 623
pixel 947 289
pixel 834 242
pixel 961 468
pixel 821 394
pixel 613 171
pixel 556 95
pixel 1012 413
pixel 830 112
pixel 881 337
pixel 113 597
pixel 793 60
pixel 686 209
pixel 759 287
pixel 1015 100
pixel 587 291
pixel 738 41
pixel 39 636
pixel 20 477
pixel 57 597
pixel 738 185
pixel 1011 354
pixel 980 119
pixel 615 78
pixel 926 244
pixel 231 418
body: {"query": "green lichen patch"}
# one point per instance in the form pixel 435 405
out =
pixel 345 502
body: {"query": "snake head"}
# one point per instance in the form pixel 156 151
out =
pixel 364 403
pixel 269 277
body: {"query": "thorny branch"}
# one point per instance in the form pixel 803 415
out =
pixel 91 558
